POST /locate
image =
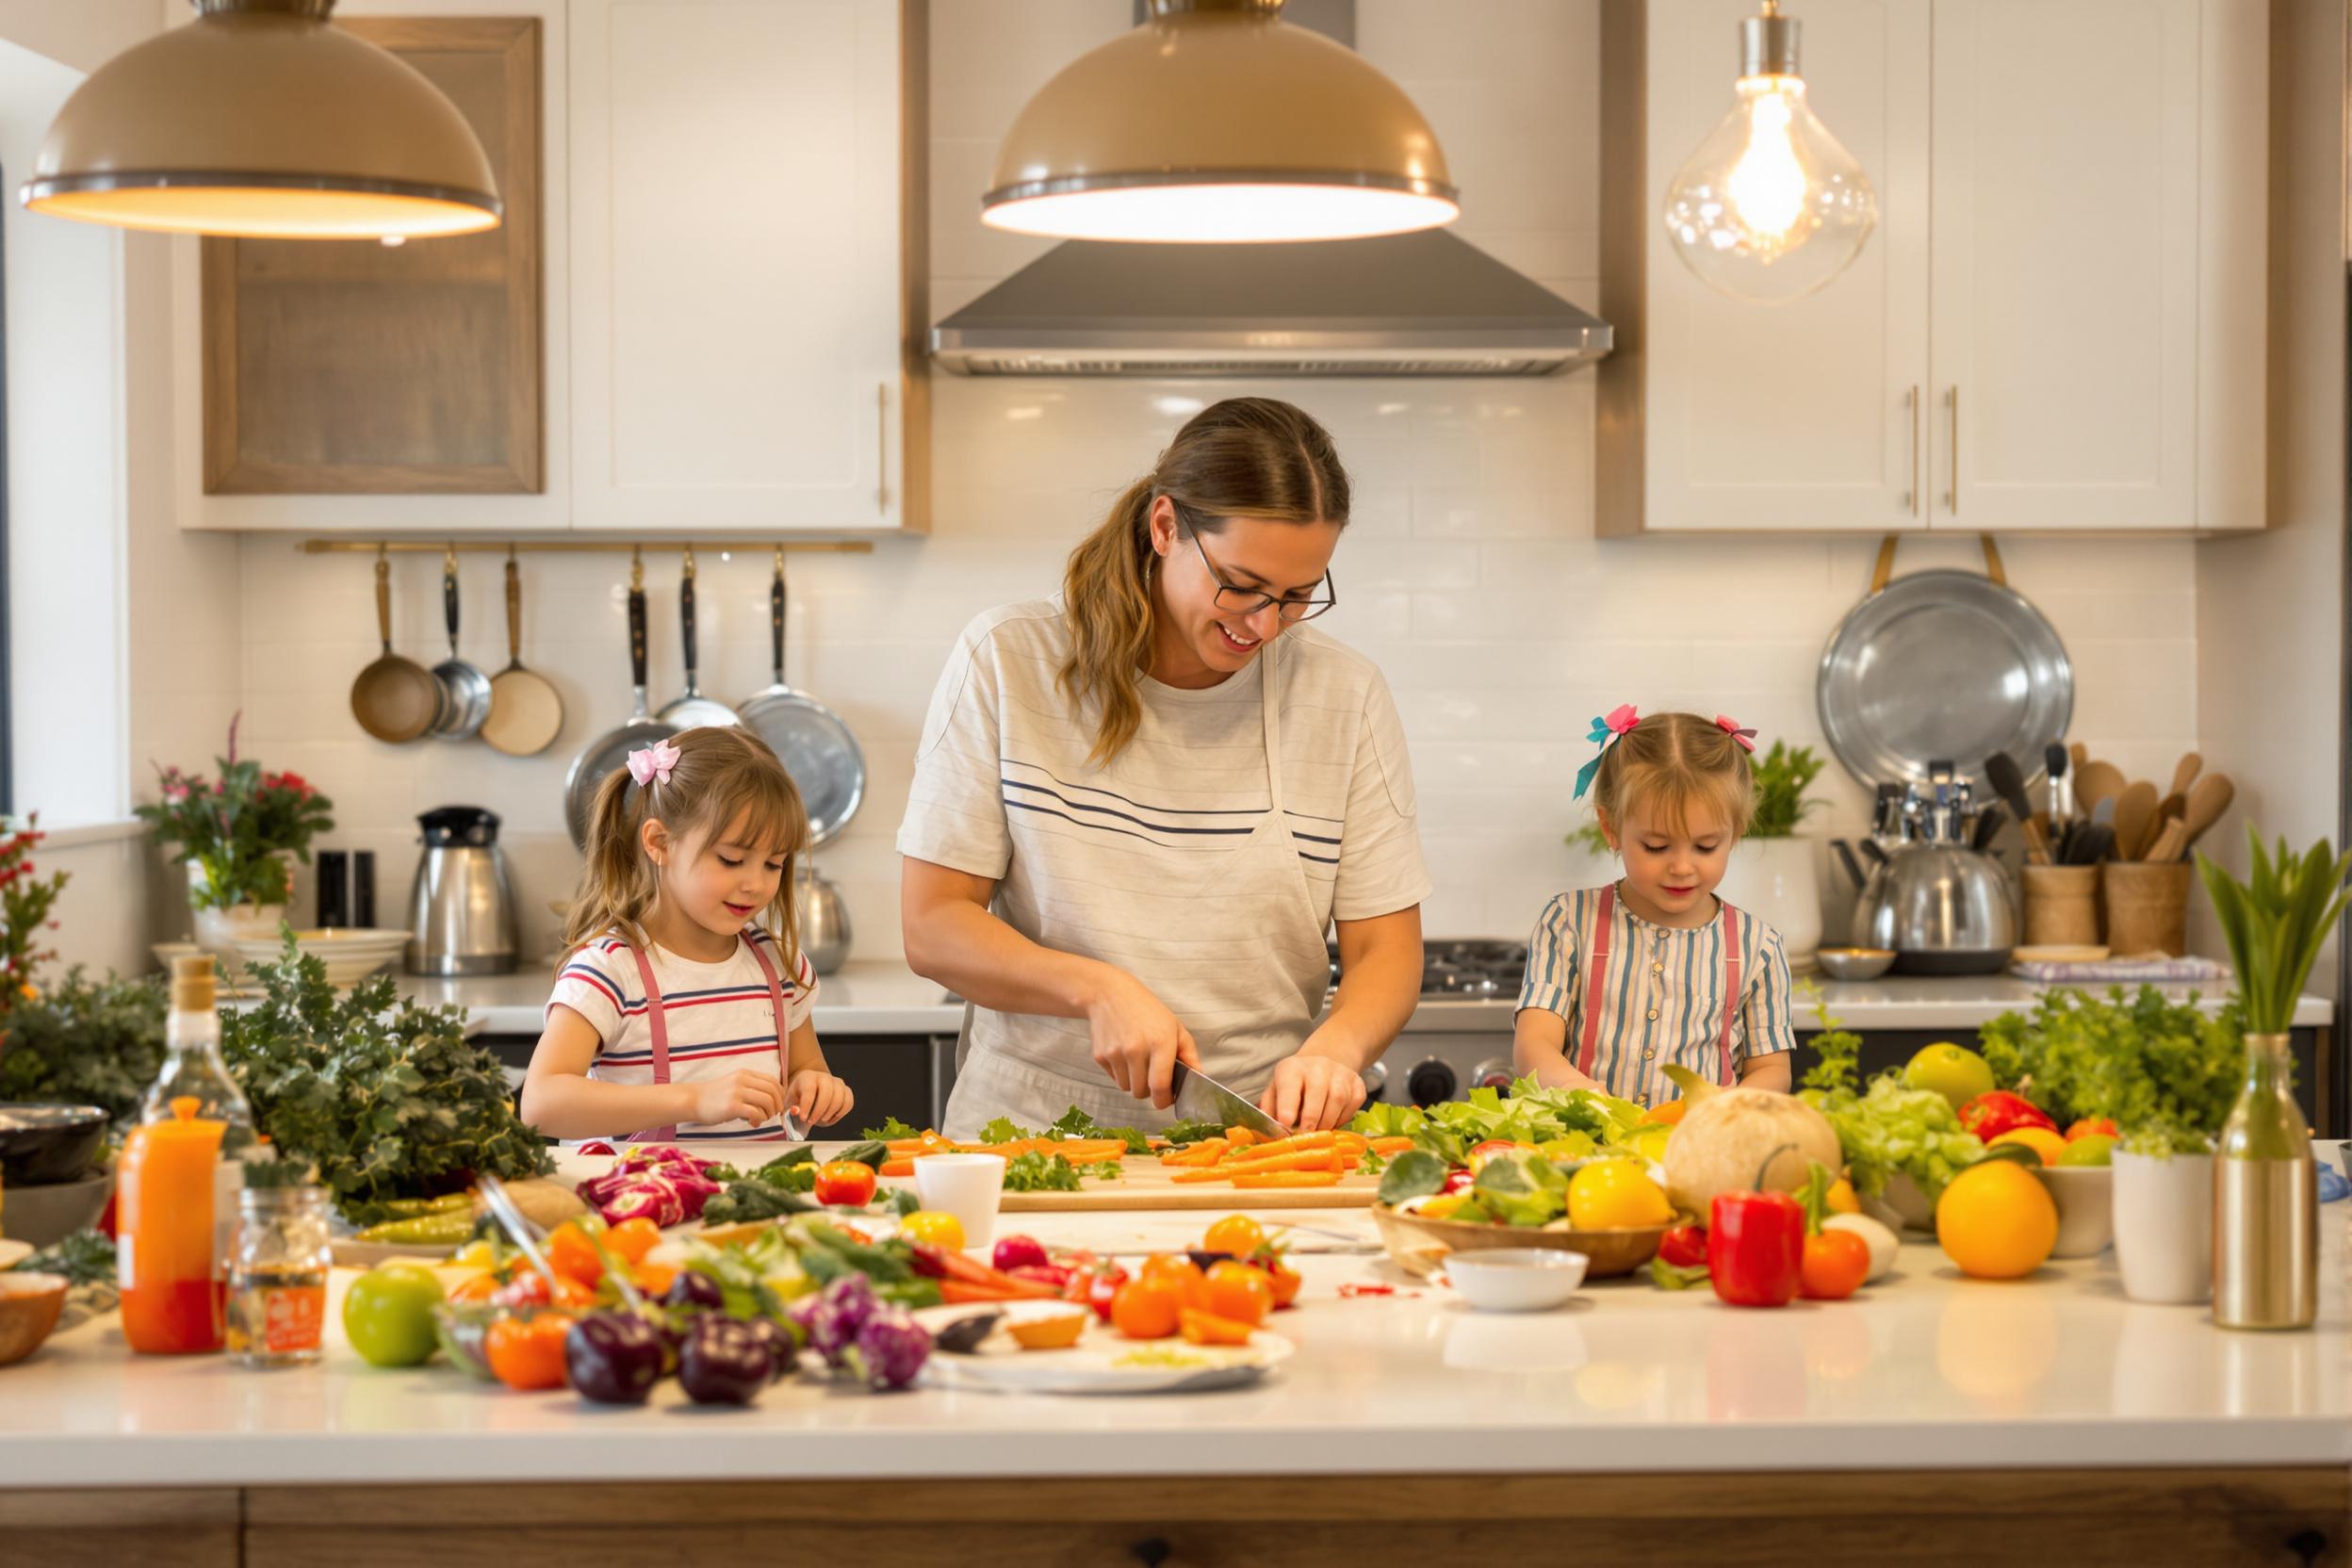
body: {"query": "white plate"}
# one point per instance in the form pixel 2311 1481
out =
pixel 1100 1363
pixel 13 1252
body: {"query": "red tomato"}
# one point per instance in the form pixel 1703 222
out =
pixel 1684 1247
pixel 1101 1288
pixel 845 1183
pixel 1836 1264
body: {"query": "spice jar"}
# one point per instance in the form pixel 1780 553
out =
pixel 277 1307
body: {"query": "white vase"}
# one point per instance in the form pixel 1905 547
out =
pixel 1777 881
pixel 2163 1216
pixel 218 931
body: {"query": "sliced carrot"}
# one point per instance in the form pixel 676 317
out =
pixel 1207 1152
pixel 1087 1151
pixel 1293 1144
pixel 1241 1137
pixel 1305 1159
pixel 898 1168
pixel 1202 1173
pixel 1288 1179
pixel 1388 1147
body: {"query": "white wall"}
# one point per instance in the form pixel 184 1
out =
pixel 1470 570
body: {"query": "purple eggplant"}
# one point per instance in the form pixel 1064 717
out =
pixel 723 1362
pixel 842 1311
pixel 783 1348
pixel 614 1357
pixel 694 1291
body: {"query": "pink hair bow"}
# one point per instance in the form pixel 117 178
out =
pixel 653 764
pixel 1607 730
pixel 1731 728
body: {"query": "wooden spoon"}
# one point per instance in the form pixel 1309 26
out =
pixel 2135 820
pixel 2098 781
pixel 2081 754
pixel 2185 775
pixel 2207 802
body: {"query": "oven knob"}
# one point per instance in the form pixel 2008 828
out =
pixel 1374 1080
pixel 1493 1073
pixel 1430 1082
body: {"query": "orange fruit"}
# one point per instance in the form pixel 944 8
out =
pixel 1240 1292
pixel 2049 1145
pixel 1236 1235
pixel 1997 1222
pixel 1148 1308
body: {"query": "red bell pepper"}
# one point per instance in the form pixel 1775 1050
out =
pixel 1756 1248
pixel 1684 1247
pixel 1998 1111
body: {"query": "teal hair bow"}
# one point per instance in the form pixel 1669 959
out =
pixel 1607 730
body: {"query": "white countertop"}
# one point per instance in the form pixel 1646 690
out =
pixel 1927 1370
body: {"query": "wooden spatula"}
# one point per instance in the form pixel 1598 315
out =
pixel 2135 820
pixel 2098 781
pixel 2207 802
pixel 2185 773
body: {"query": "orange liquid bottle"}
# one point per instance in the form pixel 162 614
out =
pixel 164 1233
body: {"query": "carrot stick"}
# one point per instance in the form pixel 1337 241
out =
pixel 898 1166
pixel 1387 1147
pixel 1241 1137
pixel 1202 1173
pixel 1293 1144
pixel 1305 1159
pixel 1288 1179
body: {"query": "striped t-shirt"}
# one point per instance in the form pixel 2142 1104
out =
pixel 1663 996
pixel 717 1017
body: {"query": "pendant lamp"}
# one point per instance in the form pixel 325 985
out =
pixel 1771 208
pixel 262 119
pixel 1217 122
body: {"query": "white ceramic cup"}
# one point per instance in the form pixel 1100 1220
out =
pixel 966 1185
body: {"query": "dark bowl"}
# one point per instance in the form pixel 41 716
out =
pixel 39 1144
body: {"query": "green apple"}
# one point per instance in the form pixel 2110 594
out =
pixel 2090 1149
pixel 1953 1072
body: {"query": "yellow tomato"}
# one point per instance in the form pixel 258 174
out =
pixel 1443 1206
pixel 934 1228
pixel 1997 1222
pixel 1615 1195
pixel 1842 1198
pixel 2049 1145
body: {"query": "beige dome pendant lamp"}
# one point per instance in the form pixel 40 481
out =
pixel 263 120
pixel 1217 122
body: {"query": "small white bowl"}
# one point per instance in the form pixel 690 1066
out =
pixel 2085 1196
pixel 1516 1278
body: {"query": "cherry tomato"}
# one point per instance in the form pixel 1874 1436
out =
pixel 571 1254
pixel 1237 1291
pixel 845 1183
pixel 528 1352
pixel 935 1227
pixel 1285 1281
pixel 1836 1264
pixel 1684 1247
pixel 1099 1288
pixel 1148 1308
pixel 631 1239
pixel 1182 1272
pixel 1236 1235
pixel 2085 1126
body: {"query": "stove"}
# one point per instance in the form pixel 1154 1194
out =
pixel 1458 1037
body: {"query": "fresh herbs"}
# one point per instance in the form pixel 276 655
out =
pixel 1184 1132
pixel 84 1258
pixel 890 1130
pixel 2275 922
pixel 1003 1130
pixel 1782 775
pixel 1075 1123
pixel 389 1098
pixel 2164 1071
pixel 748 1203
pixel 1036 1171
pixel 85 1043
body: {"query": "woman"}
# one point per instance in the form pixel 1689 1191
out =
pixel 1139 805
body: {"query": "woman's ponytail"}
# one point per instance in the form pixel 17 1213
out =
pixel 1107 590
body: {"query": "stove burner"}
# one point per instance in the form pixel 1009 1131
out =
pixel 1467 970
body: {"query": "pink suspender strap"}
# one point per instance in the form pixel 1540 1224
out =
pixel 776 1003
pixel 655 1007
pixel 1596 961
pixel 1731 984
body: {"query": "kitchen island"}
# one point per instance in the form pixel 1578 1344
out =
pixel 1949 1419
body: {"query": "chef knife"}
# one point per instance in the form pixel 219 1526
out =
pixel 1201 1097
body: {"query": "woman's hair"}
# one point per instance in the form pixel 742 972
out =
pixel 1244 457
pixel 721 774
pixel 1673 767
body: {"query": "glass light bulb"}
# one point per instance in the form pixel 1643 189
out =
pixel 1769 207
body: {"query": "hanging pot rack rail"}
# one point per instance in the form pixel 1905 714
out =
pixel 526 547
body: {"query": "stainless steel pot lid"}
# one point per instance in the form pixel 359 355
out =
pixel 1942 663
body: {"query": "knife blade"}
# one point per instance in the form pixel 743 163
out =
pixel 1201 1097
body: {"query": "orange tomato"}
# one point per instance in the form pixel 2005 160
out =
pixel 1237 1291
pixel 1181 1271
pixel 1148 1308
pixel 527 1353
pixel 1670 1112
pixel 1236 1235
pixel 655 1279
pixel 1836 1264
pixel 1207 1328
pixel 571 1254
pixel 1285 1282
pixel 631 1239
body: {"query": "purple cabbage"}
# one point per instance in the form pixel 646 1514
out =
pixel 659 1182
pixel 841 1315
pixel 892 1348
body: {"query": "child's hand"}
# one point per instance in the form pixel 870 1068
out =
pixel 742 1096
pixel 819 1099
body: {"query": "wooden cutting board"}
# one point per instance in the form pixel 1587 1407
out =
pixel 1147 1185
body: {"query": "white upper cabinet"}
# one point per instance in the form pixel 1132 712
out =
pixel 736 266
pixel 2058 324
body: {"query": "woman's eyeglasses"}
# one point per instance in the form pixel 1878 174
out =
pixel 1238 600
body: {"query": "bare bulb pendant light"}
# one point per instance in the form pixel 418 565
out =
pixel 262 119
pixel 1771 208
pixel 1217 122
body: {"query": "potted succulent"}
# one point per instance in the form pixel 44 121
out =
pixel 1773 873
pixel 238 835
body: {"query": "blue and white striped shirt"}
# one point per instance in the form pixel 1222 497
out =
pixel 1663 995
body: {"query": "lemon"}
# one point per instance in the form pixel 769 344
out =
pixel 2049 1145
pixel 1615 1195
pixel 1443 1206
pixel 1953 1072
pixel 1650 1142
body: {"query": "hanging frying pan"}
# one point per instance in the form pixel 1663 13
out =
pixel 692 710
pixel 395 697
pixel 608 751
pixel 525 710
pixel 816 746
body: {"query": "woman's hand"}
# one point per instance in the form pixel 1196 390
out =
pixel 1313 1092
pixel 1137 1041
pixel 819 1099
pixel 741 1096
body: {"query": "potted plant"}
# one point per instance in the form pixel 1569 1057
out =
pixel 1772 874
pixel 237 834
pixel 2265 1271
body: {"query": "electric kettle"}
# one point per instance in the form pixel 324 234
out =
pixel 461 912
pixel 1942 907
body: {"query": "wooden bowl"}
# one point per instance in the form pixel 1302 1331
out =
pixel 1419 1245
pixel 29 1305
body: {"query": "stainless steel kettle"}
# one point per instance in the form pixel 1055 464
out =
pixel 823 921
pixel 461 912
pixel 1942 907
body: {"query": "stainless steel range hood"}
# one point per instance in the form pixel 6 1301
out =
pixel 1410 304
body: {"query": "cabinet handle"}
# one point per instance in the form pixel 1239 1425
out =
pixel 1911 496
pixel 882 447
pixel 1951 497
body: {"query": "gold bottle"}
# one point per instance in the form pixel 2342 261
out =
pixel 2265 1202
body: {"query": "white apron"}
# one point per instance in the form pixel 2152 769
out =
pixel 1246 972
